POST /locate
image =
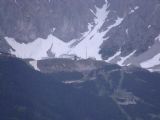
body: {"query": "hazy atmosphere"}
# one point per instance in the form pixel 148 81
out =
pixel 79 59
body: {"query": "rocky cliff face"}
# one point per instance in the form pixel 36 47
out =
pixel 118 31
pixel 26 20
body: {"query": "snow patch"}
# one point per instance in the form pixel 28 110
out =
pixel 151 62
pixel 117 22
pixel 137 7
pixel 73 82
pixel 38 48
pixel 149 26
pixel 127 31
pixel 34 64
pixel 158 38
pixel 123 59
pixel 114 56
pixel 134 9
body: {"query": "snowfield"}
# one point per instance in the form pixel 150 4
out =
pixel 38 48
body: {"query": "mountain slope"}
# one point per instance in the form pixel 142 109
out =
pixel 110 92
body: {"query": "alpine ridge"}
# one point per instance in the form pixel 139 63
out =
pixel 124 32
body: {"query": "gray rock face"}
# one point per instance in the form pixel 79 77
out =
pixel 26 20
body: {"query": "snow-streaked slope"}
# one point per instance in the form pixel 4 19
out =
pixel 88 44
pixel 149 60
